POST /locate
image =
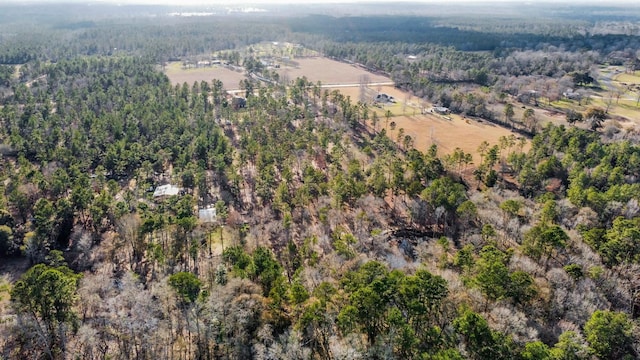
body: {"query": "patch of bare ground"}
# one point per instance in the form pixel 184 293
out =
pixel 10 271
pixel 12 268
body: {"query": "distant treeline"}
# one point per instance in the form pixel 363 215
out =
pixel 416 30
pixel 165 37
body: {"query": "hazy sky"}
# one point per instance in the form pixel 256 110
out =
pixel 258 3
pixel 263 2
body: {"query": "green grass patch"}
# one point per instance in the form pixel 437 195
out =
pixel 176 68
pixel 625 109
pixel 219 234
pixel 396 109
pixel 564 104
pixel 597 102
pixel 629 78
pixel 5 288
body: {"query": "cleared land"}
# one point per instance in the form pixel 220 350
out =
pixel 316 69
pixel 466 134
pixel 632 78
pixel 617 91
pixel 178 75
pixel 628 105
pixel 328 71
pixel 447 132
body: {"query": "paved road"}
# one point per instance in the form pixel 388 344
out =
pixel 607 78
pixel 387 83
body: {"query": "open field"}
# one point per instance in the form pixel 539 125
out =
pixel 178 75
pixel 544 113
pixel 466 134
pixel 625 87
pixel 629 78
pixel 328 71
pixel 448 132
pixel 316 69
pixel 628 105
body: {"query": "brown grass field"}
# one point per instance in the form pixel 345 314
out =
pixel 328 71
pixel 447 133
pixel 178 75
pixel 466 134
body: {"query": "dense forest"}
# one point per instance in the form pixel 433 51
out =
pixel 331 239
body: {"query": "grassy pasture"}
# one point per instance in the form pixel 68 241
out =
pixel 629 78
pixel 619 92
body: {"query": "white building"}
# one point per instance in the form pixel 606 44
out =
pixel 207 215
pixel 166 191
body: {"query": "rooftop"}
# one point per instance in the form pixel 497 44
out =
pixel 207 215
pixel 166 190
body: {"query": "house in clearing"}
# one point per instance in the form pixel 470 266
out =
pixel 571 95
pixel 384 98
pixel 440 110
pixel 207 215
pixel 238 102
pixel 165 191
